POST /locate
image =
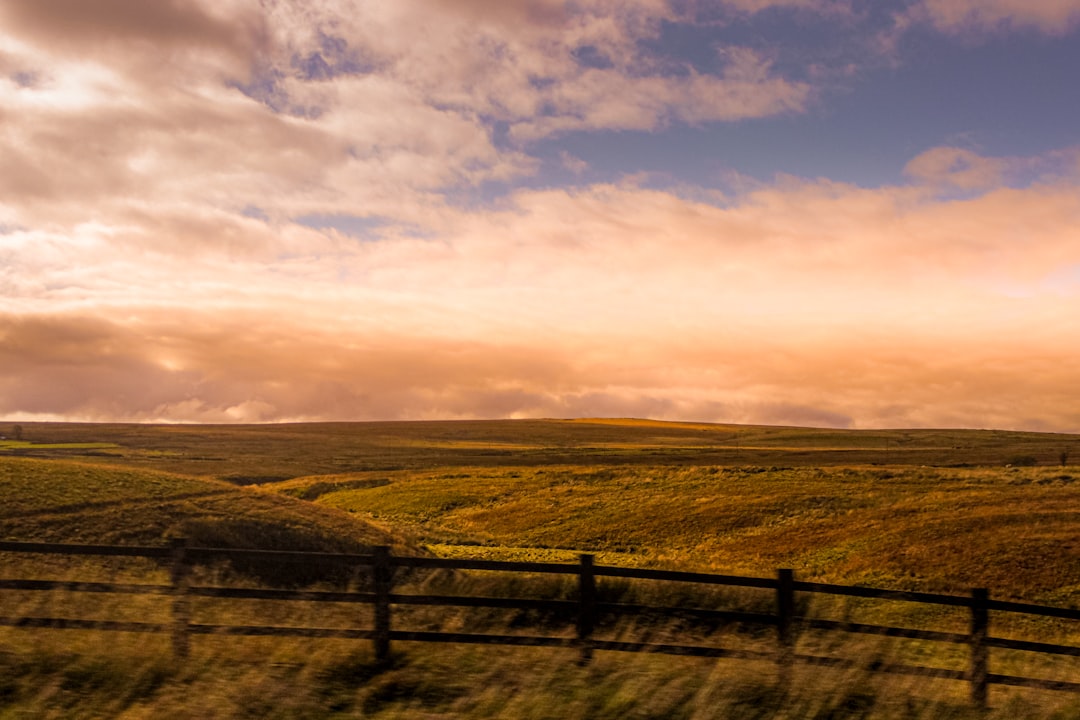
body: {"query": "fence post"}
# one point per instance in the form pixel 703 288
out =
pixel 785 631
pixel 980 651
pixel 181 608
pixel 383 576
pixel 586 607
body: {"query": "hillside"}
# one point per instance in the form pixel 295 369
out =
pixel 67 501
pixel 246 454
pixel 922 510
pixel 1015 530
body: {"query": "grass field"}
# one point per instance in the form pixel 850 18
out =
pixel 68 501
pixel 246 454
pixel 928 510
pixel 308 681
pixel 1014 530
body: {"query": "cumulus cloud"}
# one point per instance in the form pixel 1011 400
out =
pixel 79 26
pixel 330 107
pixel 544 67
pixel 1054 17
pixel 573 163
pixel 956 167
pixel 157 158
pixel 596 99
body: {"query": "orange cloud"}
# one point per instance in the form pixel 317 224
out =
pixel 151 267
pixel 956 167
pixel 77 23
pixel 198 367
pixel 138 35
pixel 97 127
pixel 1054 17
pixel 801 302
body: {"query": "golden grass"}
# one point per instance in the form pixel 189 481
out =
pixel 26 445
pixel 247 454
pixel 836 506
pixel 1013 530
pixel 64 501
pixel 71 677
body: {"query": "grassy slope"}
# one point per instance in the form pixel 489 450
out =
pixel 1014 530
pixel 635 491
pixel 643 493
pixel 65 501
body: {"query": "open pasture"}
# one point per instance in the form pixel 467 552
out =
pixel 938 511
pixel 68 501
pixel 1015 530
pixel 252 454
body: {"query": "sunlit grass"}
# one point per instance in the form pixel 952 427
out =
pixel 287 679
pixel 248 454
pixel 1013 530
pixel 26 445
pixel 33 485
pixel 64 501
pixel 850 508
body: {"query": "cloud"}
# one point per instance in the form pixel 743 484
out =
pixel 818 6
pixel 956 167
pixel 79 24
pixel 798 302
pixel 599 99
pixel 330 107
pixel 464 55
pixel 573 163
pixel 959 171
pixel 153 264
pixel 192 367
pixel 129 32
pixel 1054 17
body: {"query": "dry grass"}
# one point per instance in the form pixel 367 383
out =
pixel 65 501
pixel 246 454
pixel 683 496
pixel 1014 530
pixel 302 679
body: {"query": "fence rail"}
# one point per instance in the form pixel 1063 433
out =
pixel 586 609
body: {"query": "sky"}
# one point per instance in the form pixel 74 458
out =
pixel 839 213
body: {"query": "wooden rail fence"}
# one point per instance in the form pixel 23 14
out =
pixel 586 608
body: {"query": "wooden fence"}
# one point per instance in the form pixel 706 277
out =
pixel 585 608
